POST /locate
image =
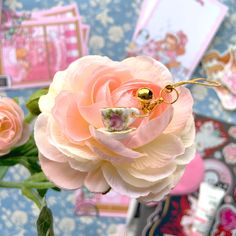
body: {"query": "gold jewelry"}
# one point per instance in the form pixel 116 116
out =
pixel 148 102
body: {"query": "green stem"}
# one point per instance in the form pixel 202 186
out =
pixel 27 184
pixel 29 118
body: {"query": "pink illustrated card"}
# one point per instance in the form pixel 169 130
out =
pixel 40 49
pixel 62 12
pixel 109 204
pixel 177 38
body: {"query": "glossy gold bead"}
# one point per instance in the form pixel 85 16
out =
pixel 145 94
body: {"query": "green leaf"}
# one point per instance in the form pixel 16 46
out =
pixel 26 155
pixel 32 103
pixel 32 195
pixel 3 171
pixel 45 222
pixel 42 192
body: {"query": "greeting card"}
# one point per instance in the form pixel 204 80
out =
pixel 177 38
pixel 39 50
pixel 45 42
pixel 110 204
pixel 69 11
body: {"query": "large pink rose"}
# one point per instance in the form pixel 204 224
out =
pixel 146 163
pixel 13 131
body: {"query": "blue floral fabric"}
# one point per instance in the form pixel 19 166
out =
pixel 112 24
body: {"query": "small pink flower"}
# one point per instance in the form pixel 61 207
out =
pixel 117 123
pixel 13 131
pixel 232 131
pixel 228 218
pixel 146 163
pixel 229 152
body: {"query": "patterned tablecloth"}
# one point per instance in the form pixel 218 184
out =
pixel 112 23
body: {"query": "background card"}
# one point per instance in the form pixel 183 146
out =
pixel 179 38
pixel 39 50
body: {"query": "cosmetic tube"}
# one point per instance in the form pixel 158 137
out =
pixel 209 200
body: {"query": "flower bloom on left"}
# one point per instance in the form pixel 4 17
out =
pixel 13 131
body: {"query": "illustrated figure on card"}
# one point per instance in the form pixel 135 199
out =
pixel 170 48
pixel 178 39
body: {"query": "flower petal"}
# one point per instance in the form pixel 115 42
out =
pixel 146 133
pixel 95 181
pixel 147 68
pixel 156 197
pixel 182 111
pixel 167 145
pixel 61 174
pixel 187 135
pixel 70 149
pixel 115 145
pixel 119 185
pixel 153 174
pixel 187 157
pixel 25 135
pixel 41 139
pixel 83 166
pixel 68 116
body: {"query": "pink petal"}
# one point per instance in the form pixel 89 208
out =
pixel 94 109
pixel 156 197
pixel 165 144
pixel 83 166
pixel 147 68
pixel 187 135
pixel 130 179
pixel 146 133
pixel 114 145
pixel 187 157
pixel 160 152
pixel 25 135
pixel 61 174
pixel 182 111
pixel 70 149
pixel 41 139
pixel 81 70
pixel 68 116
pixel 118 184
pixel 4 151
pixel 105 154
pixel 95 181
pixel 153 174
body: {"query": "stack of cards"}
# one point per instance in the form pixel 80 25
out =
pixel 42 45
pixel 222 68
pixel 177 33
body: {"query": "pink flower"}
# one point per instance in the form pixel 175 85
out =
pixel 229 152
pixel 146 163
pixel 13 131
